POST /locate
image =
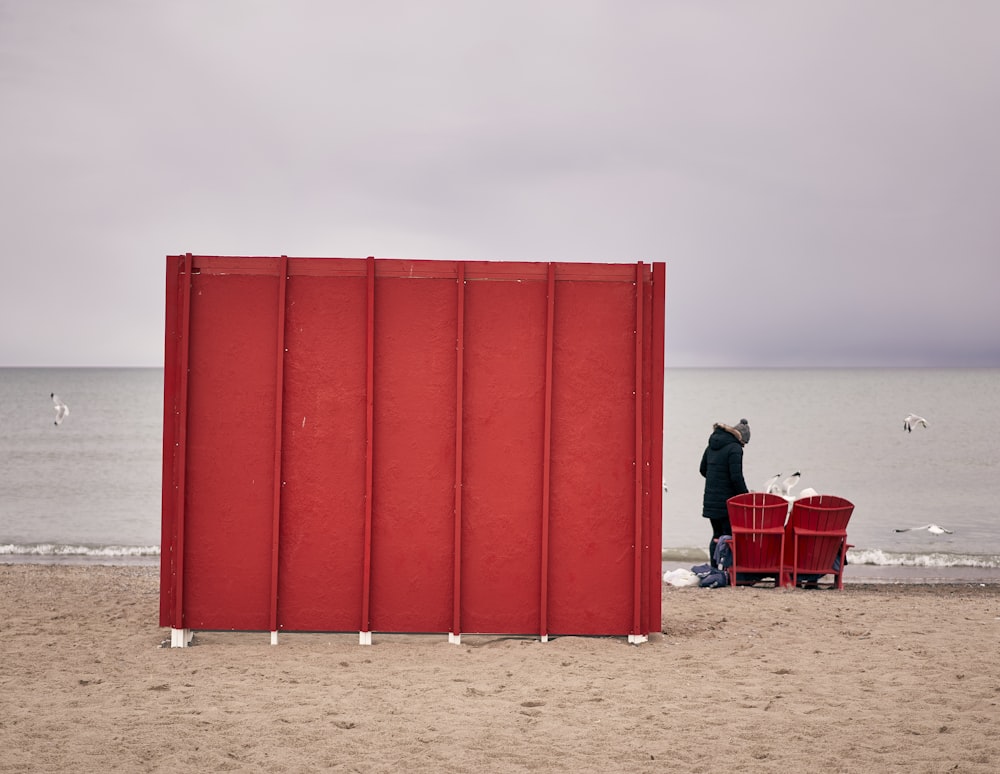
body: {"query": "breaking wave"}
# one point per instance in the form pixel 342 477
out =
pixel 878 557
pixel 869 556
pixel 57 550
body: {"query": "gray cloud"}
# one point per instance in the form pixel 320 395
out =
pixel 821 179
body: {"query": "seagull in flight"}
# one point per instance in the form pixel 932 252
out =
pixel 62 410
pixel 911 421
pixel 934 529
pixel 785 487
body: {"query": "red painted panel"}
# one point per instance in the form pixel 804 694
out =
pixel 230 451
pixel 321 542
pixel 414 448
pixel 593 448
pixel 504 413
pixel 569 562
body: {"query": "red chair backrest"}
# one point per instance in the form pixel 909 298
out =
pixel 757 510
pixel 750 515
pixel 825 514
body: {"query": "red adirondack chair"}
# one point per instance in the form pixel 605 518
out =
pixel 816 544
pixel 758 524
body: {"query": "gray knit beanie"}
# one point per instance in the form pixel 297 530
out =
pixel 744 427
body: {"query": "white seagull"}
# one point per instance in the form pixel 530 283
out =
pixel 911 421
pixel 62 410
pixel 785 487
pixel 934 529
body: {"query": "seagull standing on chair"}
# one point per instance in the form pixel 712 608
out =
pixel 785 487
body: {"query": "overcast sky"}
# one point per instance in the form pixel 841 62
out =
pixel 822 179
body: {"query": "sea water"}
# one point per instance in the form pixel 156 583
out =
pixel 89 489
pixel 842 429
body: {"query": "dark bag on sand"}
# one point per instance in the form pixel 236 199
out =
pixel 715 579
pixel 710 577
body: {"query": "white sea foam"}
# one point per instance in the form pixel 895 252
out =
pixel 869 556
pixel 875 556
pixel 61 550
pixel 693 555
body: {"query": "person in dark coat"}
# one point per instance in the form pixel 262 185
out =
pixel 722 468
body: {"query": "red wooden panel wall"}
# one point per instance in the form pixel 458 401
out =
pixel 412 446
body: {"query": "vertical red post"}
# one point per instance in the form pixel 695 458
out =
pixel 279 379
pixel 459 367
pixel 637 579
pixel 369 431
pixel 187 270
pixel 543 626
pixel 171 378
pixel 655 542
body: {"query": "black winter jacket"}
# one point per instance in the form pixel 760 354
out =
pixel 722 467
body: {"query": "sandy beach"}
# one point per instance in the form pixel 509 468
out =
pixel 878 677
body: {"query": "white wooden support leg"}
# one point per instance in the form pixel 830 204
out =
pixel 365 638
pixel 274 638
pixel 180 638
pixel 545 638
pixel 454 639
pixel 637 639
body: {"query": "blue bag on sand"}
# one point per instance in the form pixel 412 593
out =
pixel 711 577
pixel 715 579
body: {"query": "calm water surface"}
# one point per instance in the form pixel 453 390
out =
pixel 91 486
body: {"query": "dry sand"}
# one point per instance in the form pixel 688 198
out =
pixel 874 678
